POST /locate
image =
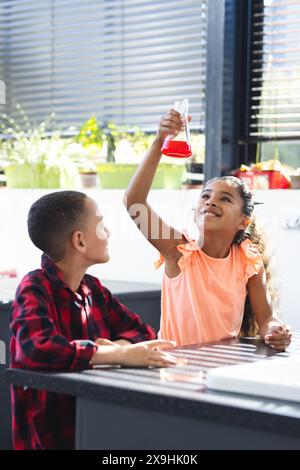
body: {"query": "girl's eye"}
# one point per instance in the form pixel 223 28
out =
pixel 204 196
pixel 225 198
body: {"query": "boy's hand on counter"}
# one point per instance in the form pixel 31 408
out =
pixel 108 342
pixel 105 342
pixel 278 337
pixel 147 353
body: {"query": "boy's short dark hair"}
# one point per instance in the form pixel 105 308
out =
pixel 53 218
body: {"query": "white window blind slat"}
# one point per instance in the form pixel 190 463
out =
pixel 275 79
pixel 123 60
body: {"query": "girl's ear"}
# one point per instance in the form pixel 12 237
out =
pixel 78 241
pixel 245 223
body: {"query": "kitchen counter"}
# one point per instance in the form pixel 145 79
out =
pixel 172 408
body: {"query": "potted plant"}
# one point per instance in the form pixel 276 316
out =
pixel 122 147
pixel 35 158
pixel 92 138
pixel 98 142
pixel 87 170
pixel 116 152
pixel 130 144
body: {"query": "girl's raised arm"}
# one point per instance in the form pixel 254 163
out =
pixel 161 235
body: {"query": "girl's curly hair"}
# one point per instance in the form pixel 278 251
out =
pixel 257 236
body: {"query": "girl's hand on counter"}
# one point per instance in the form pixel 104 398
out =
pixel 278 337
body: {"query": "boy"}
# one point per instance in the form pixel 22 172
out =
pixel 64 319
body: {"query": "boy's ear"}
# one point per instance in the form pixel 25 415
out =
pixel 78 241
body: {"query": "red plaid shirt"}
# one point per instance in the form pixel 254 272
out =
pixel 48 322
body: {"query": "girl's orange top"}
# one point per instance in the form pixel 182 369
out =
pixel 205 301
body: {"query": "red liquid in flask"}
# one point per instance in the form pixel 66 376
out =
pixel 176 148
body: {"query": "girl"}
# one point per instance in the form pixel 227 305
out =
pixel 206 283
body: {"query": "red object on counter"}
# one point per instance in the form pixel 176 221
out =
pixel 8 273
pixel 246 176
pixel 176 148
pixel 264 179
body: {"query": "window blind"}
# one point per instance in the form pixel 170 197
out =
pixel 275 78
pixel 123 61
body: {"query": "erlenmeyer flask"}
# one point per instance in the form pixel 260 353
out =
pixel 179 146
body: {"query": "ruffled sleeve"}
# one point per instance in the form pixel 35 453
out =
pixel 253 259
pixel 159 262
pixel 186 249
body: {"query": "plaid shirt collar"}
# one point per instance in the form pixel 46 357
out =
pixel 57 280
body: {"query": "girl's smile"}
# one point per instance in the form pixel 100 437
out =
pixel 211 213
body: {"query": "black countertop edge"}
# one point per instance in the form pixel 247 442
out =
pixel 139 295
pixel 77 385
pixel 4 304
